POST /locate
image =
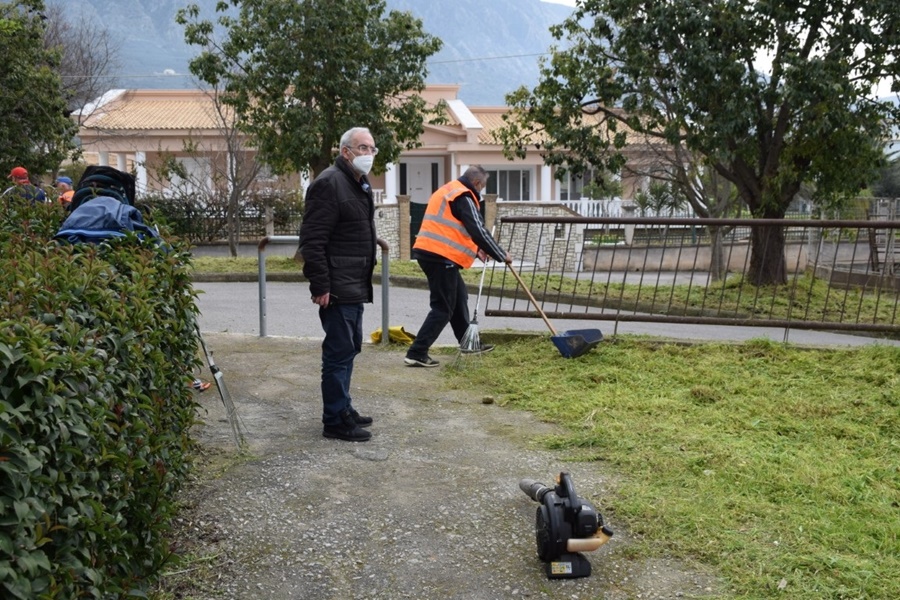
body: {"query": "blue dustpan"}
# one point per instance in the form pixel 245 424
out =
pixel 577 341
pixel 569 343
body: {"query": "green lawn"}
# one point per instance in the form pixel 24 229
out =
pixel 779 467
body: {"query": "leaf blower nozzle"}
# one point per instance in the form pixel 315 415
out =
pixel 534 489
pixel 565 526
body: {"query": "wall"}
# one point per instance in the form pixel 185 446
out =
pixel 557 247
pixel 697 258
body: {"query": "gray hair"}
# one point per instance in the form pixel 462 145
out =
pixel 476 172
pixel 348 136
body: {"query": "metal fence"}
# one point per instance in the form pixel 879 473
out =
pixel 840 274
pixel 200 223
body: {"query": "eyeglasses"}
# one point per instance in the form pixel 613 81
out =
pixel 366 149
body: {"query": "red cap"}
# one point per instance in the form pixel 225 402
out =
pixel 18 173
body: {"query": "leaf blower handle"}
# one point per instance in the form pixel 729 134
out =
pixel 589 544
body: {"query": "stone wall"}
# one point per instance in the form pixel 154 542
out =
pixel 554 247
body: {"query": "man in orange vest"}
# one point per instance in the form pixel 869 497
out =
pixel 452 236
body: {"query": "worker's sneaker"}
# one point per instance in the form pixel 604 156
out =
pixel 359 419
pixel 347 430
pixel 421 362
pixel 482 349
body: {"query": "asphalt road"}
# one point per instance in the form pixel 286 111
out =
pixel 234 307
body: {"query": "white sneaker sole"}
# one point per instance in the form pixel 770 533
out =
pixel 417 363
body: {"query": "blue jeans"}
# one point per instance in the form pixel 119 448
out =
pixel 343 341
pixel 449 302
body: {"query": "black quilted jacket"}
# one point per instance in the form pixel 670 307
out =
pixel 337 236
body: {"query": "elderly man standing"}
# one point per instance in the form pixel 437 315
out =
pixel 337 243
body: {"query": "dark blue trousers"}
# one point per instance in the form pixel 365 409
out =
pixel 343 341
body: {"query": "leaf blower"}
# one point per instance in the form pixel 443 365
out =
pixel 565 526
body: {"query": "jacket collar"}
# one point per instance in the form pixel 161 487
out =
pixel 470 186
pixel 344 165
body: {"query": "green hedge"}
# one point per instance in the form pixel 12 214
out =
pixel 205 219
pixel 97 349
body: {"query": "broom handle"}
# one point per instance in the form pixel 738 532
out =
pixel 531 297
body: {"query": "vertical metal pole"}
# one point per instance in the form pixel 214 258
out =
pixel 385 291
pixel 261 248
pixel 262 287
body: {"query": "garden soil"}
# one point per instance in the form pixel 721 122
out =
pixel 429 508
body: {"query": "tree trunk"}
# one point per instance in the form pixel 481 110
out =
pixel 234 222
pixel 717 267
pixel 767 261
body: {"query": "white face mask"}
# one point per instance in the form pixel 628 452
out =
pixel 363 163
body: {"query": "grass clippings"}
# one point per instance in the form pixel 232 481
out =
pixel 778 466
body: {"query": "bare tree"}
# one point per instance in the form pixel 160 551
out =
pixel 240 168
pixel 90 58
pixel 233 168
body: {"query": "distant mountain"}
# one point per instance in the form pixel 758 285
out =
pixel 490 48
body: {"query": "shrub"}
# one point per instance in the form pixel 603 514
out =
pixel 204 218
pixel 97 345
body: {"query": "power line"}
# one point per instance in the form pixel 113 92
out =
pixel 436 62
pixel 441 62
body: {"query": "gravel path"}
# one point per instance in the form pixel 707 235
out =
pixel 430 508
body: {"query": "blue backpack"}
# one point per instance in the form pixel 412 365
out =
pixel 101 219
pixel 102 209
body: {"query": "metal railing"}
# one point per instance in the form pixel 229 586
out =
pixel 385 287
pixel 837 274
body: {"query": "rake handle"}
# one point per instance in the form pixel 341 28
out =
pixel 531 297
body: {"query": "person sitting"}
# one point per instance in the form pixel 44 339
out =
pixel 23 188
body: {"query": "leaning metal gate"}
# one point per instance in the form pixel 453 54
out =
pixel 839 275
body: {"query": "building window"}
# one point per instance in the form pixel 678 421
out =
pixel 576 187
pixel 509 184
pixel 265 174
pixel 197 177
pixel 571 187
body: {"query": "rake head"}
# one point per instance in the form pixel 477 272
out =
pixel 471 340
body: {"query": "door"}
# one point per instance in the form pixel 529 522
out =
pixel 419 181
pixel 422 178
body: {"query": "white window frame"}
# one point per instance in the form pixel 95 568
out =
pixel 500 185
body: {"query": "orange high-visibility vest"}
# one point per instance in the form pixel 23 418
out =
pixel 442 233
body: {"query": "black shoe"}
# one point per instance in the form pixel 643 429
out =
pixel 421 362
pixel 482 349
pixel 359 419
pixel 347 430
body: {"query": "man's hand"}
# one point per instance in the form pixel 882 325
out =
pixel 482 255
pixel 322 300
pixel 508 259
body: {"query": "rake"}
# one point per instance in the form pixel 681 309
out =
pixel 227 402
pixel 471 339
